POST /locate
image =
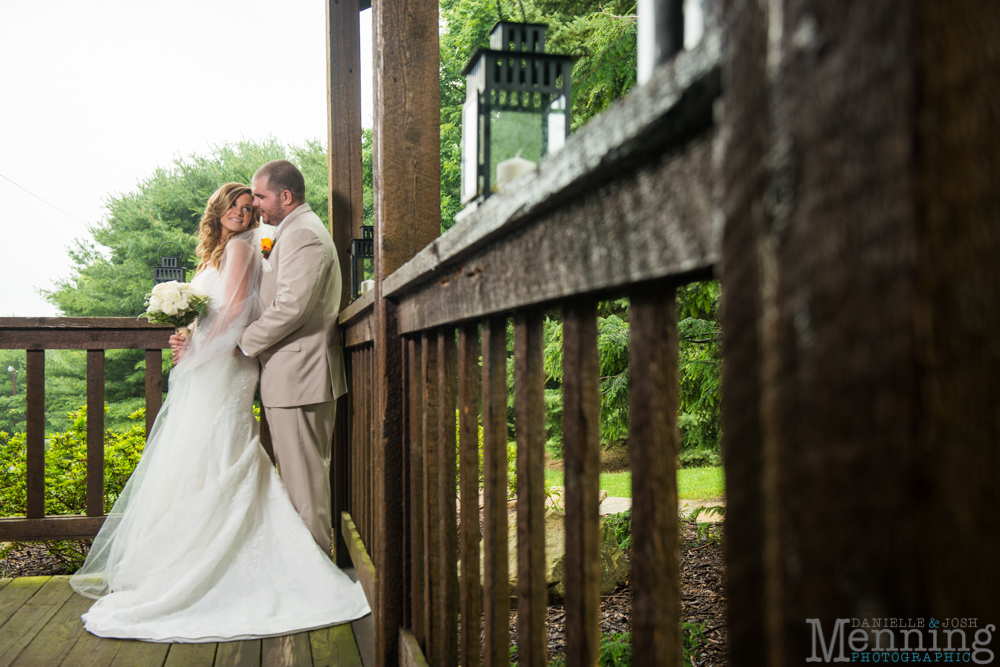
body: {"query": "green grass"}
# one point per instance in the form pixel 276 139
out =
pixel 692 483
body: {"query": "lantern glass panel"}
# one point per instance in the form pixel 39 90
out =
pixel 470 149
pixel 514 133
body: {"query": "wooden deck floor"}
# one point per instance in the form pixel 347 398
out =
pixel 40 625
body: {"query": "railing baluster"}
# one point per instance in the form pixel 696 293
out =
pixel 355 406
pixel 417 488
pixel 581 430
pixel 448 610
pixel 366 431
pixel 154 386
pixel 95 432
pixel 35 407
pixel 471 598
pixel 654 447
pixel 495 576
pixel 529 405
pixel 369 448
pixel 406 545
pixel 432 517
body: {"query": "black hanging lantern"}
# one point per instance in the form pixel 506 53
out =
pixel 168 269
pixel 361 250
pixel 516 111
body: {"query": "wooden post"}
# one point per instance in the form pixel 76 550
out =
pixel 654 447
pixel 496 596
pixel 95 432
pixel 861 273
pixel 582 459
pixel 154 386
pixel 407 166
pixel 35 436
pixel 343 72
pixel 471 597
pixel 529 405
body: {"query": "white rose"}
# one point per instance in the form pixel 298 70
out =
pixel 155 302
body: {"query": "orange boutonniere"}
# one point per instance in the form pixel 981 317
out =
pixel 265 247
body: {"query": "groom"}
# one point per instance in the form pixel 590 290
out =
pixel 297 342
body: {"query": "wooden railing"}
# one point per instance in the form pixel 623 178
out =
pixel 35 335
pixel 624 210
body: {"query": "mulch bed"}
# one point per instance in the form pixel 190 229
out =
pixel 33 560
pixel 703 603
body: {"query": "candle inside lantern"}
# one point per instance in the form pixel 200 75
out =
pixel 510 169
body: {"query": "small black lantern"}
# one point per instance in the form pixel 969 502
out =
pixel 168 269
pixel 361 249
pixel 517 108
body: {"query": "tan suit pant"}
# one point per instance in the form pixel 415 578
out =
pixel 303 438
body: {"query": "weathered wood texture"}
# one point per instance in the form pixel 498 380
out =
pixel 154 386
pixel 95 432
pixel 360 327
pixel 35 433
pixel 471 592
pixel 447 610
pixel 410 654
pixel 81 333
pixel 860 262
pixel 418 574
pixel 433 621
pixel 363 565
pixel 645 224
pixel 529 406
pixel 581 460
pixel 674 107
pixel 40 625
pixel 343 114
pixel 50 528
pixel 958 350
pixel 407 167
pixel 496 597
pixel 654 446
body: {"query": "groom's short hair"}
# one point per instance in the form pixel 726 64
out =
pixel 283 175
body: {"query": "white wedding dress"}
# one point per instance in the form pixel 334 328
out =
pixel 203 544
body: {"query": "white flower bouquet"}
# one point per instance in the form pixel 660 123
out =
pixel 176 304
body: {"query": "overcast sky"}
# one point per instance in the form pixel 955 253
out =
pixel 97 94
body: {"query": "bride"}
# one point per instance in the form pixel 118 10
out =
pixel 203 543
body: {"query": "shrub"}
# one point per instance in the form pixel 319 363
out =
pixel 66 474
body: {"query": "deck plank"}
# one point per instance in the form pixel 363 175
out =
pixel 93 651
pixel 4 581
pixel 16 593
pixel 191 655
pixel 335 647
pixel 54 641
pixel 32 616
pixel 140 654
pixel 287 651
pixel 239 654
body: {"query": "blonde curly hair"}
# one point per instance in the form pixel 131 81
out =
pixel 210 241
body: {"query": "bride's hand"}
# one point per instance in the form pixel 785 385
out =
pixel 177 344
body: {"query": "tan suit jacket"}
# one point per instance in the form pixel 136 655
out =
pixel 296 337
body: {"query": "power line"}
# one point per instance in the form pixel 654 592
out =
pixel 43 201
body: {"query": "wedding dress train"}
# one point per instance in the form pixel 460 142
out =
pixel 203 544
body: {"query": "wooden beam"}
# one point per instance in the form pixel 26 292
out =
pixel 407 173
pixel 363 565
pixel 649 224
pixel 81 333
pixel 50 528
pixel 343 93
